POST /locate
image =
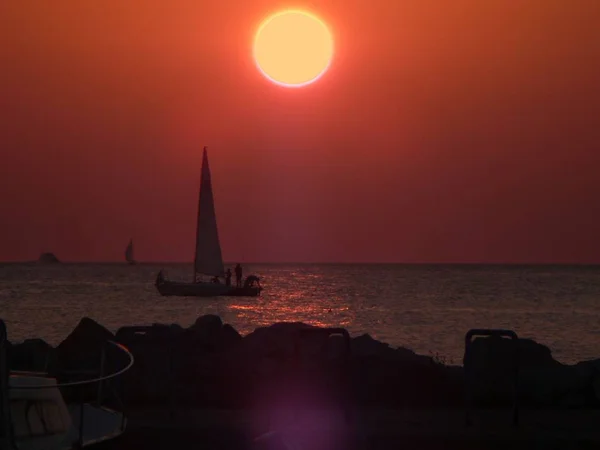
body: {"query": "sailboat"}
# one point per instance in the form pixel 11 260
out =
pixel 208 260
pixel 129 253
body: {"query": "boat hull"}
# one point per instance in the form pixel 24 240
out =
pixel 202 289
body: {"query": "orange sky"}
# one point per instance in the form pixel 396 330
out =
pixel 463 131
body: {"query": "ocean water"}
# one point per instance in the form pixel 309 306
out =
pixel 427 308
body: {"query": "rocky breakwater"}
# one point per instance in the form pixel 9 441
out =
pixel 542 381
pixel 209 364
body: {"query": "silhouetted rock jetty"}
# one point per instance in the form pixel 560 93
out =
pixel 542 381
pixel 213 385
pixel 209 364
pixel 48 258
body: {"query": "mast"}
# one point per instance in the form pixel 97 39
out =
pixel 204 158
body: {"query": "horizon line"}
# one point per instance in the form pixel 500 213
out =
pixel 405 263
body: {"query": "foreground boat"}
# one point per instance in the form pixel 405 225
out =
pixel 208 260
pixel 34 415
pixel 205 289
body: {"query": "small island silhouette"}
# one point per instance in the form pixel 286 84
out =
pixel 48 258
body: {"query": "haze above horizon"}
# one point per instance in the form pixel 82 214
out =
pixel 462 132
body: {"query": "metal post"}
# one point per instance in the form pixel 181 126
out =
pixel 6 431
pixel 123 419
pixel 345 369
pixel 102 362
pixel 81 416
pixel 123 406
pixel 171 377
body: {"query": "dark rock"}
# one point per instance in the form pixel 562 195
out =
pixel 499 352
pixel 170 359
pixel 82 349
pixel 209 364
pixel 595 365
pixel 282 360
pixel 155 349
pixel 559 386
pixel 34 355
pixel 491 362
pixel 365 346
pixel 157 333
pixel 229 337
pixel 205 333
pixel 83 356
pixel 276 341
pixel 399 377
pixel 395 377
pixel 173 327
pixel 207 323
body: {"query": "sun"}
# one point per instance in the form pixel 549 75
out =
pixel 293 48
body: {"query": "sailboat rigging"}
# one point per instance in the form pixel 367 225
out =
pixel 208 258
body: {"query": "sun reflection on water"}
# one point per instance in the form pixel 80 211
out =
pixel 298 297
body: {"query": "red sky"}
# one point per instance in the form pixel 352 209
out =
pixel 463 131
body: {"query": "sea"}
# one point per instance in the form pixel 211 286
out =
pixel 426 308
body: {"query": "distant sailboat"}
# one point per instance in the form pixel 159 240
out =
pixel 208 259
pixel 129 253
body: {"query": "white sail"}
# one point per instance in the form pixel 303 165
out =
pixel 208 259
pixel 129 251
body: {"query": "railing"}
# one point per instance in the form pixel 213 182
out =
pixel 171 340
pixel 343 373
pixel 5 431
pixel 468 370
pixel 101 380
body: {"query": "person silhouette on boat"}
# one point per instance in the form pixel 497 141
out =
pixel 252 281
pixel 228 277
pixel 238 275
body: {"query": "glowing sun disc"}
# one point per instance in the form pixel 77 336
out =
pixel 293 48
